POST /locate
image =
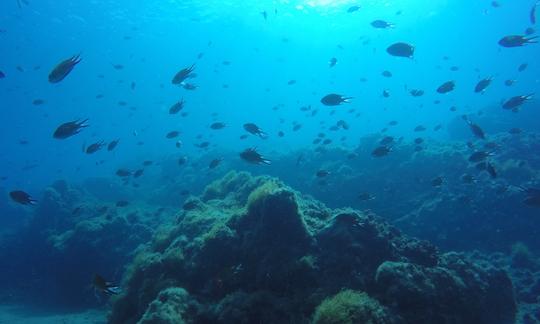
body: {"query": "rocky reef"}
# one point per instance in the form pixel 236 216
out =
pixel 252 250
pixel 70 236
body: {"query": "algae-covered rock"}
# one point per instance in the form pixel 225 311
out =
pixel 256 251
pixel 351 307
pixel 167 308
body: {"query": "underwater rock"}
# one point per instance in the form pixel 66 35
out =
pixel 256 251
pixel 352 307
pixel 168 307
pixel 457 291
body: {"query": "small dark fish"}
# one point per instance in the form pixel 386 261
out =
pixel 522 67
pixel 138 173
pixel 509 82
pixel 218 125
pixel 291 82
pixel 252 156
pixel 491 170
pixel 353 9
pixel 183 74
pixel 419 128
pixel 482 85
pixel 265 15
pixel 476 130
pixel 22 197
pixel 533 201
pixel 182 160
pixel 386 93
pixel 401 50
pixel 532 13
pixel 123 173
pixel 203 145
pixel 148 163
pixel 416 92
pixel 255 130
pixel 381 24
pixel 515 131
pixel 133 85
pixel 63 69
pixel 69 129
pixel 214 163
pixel 105 287
pixel 381 151
pixel 446 87
pixel 38 102
pixel 122 203
pixel 529 31
pixel 2 75
pixel 118 66
pixel 437 182
pixel 281 134
pixel 365 196
pixel 386 141
pixel 515 102
pixel 322 173
pixel 332 62
pixel 334 99
pixel 418 140
pixel 112 145
pixel 189 86
pixel 93 148
pixel 517 40
pixel 468 179
pixel 172 134
pixel 190 205
pixel 479 156
pixel 174 109
pixel 386 74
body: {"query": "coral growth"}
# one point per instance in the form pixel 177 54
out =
pixel 255 251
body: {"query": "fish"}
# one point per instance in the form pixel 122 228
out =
pixel 123 173
pixel 182 160
pixel 264 14
pixel 2 75
pixel 214 163
pixel 218 125
pixel 189 86
pixel 332 62
pixel 353 9
pixel 60 71
pixel 252 156
pixel 475 129
pixel 22 197
pixel 122 203
pixel 509 82
pixel 381 151
pixel 386 140
pixel 333 99
pixel 522 67
pixel 532 13
pixel 175 108
pixel 533 201
pixel 416 92
pixel 437 182
pixel 112 145
pixel 479 156
pixel 491 170
pixel 172 134
pixel 517 40
pixel 138 173
pixel 322 173
pixel 419 128
pixel 93 148
pixel 365 196
pixel 515 102
pixel 255 130
pixel 401 49
pixel 69 129
pixel 381 24
pixel 482 85
pixel 103 286
pixel 183 74
pixel 38 102
pixel 386 74
pixel 446 87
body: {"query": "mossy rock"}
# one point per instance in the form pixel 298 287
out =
pixel 351 307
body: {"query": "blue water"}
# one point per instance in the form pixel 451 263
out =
pixel 244 63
